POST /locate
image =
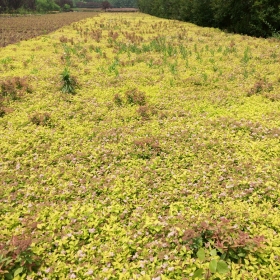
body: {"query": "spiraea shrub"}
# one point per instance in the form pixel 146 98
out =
pixel 14 88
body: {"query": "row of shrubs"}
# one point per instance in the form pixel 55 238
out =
pixel 260 18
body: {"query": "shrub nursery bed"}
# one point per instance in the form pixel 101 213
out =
pixel 134 147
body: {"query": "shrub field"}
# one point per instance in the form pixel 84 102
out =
pixel 134 147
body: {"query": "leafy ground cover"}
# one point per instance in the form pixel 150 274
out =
pixel 134 147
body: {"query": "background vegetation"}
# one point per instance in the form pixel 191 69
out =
pixel 255 18
pixel 42 6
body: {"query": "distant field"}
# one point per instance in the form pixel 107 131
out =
pixel 119 10
pixel 134 147
pixel 17 28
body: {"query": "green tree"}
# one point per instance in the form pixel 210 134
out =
pixel 202 13
pixel 46 5
pixel 266 17
pixel 9 5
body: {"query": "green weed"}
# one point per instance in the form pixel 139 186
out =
pixel 69 82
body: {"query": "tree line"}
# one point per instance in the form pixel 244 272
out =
pixel 55 5
pixel 259 18
pixel 34 5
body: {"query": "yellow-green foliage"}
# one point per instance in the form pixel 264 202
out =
pixel 163 165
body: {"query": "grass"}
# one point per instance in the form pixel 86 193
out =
pixel 163 165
